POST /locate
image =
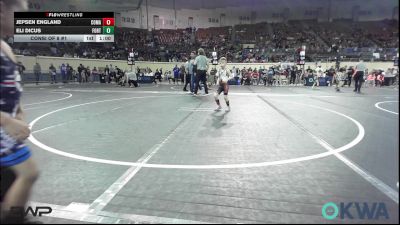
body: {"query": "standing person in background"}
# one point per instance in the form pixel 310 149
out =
pixel 201 63
pixel 115 73
pixel 176 74
pixel 235 75
pixel 259 75
pixel 157 76
pixel 299 76
pixel 21 69
pixel 350 72
pixel 94 74
pixel 87 74
pixel 117 76
pixel 52 72
pixel 189 74
pixel 83 75
pixel 107 74
pixel 319 72
pixel 358 76
pixel 255 77
pixel 242 75
pixel 182 73
pixel 161 74
pixel 292 73
pixel 80 68
pixel 151 75
pixel 15 155
pixel 69 72
pixel 111 75
pixel 264 76
pixel 37 71
pixel 270 76
pixel 63 70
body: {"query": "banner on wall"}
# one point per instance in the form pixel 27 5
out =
pixel 248 45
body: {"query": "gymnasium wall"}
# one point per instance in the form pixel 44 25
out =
pixel 369 10
pixel 207 15
pixel 44 61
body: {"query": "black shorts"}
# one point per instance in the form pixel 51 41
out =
pixel 223 87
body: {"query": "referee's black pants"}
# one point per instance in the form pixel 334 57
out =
pixel 358 79
pixel 201 76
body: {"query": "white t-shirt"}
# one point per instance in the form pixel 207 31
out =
pixel 340 76
pixel 131 76
pixel 223 75
pixel 319 71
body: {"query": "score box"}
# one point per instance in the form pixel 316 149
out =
pixel 104 38
pixel 108 30
pixel 108 21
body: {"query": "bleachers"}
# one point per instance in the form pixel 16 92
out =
pixel 272 42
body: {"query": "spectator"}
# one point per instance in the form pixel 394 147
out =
pixel 107 74
pixel 83 75
pixel 116 69
pixel 21 69
pixel 80 68
pixel 259 75
pixel 319 73
pixel 161 73
pixel 182 73
pixel 112 74
pixel 255 77
pixel 213 76
pixel 370 80
pixel 271 74
pixel 151 75
pixel 122 78
pixel 264 76
pixel 69 72
pixel 350 72
pixel 94 74
pixel 63 70
pixel 118 75
pixel 52 72
pixel 330 74
pixel 157 75
pixel 381 78
pixel 292 79
pixel 340 77
pixel 37 71
pixel 176 74
pixel 132 79
pixel 87 74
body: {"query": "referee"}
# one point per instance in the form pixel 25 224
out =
pixel 358 76
pixel 201 63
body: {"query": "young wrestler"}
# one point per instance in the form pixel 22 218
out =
pixel 15 155
pixel 223 75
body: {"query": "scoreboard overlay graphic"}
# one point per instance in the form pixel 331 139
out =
pixel 64 26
